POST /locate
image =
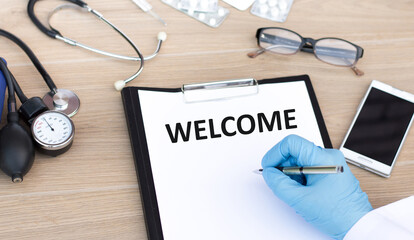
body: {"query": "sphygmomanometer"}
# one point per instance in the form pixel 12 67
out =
pixel 51 128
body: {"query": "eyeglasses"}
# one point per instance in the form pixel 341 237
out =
pixel 334 51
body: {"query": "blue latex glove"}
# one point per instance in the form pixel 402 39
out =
pixel 333 203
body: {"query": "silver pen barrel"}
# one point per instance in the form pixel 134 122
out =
pixel 312 170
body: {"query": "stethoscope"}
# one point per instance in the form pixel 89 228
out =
pixel 54 33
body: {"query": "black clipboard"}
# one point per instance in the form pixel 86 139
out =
pixel 140 151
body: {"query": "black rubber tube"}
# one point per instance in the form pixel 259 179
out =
pixel 32 57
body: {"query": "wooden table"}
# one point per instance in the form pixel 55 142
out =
pixel 91 192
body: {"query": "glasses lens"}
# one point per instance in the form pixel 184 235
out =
pixel 335 51
pixel 279 41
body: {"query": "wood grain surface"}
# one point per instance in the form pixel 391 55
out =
pixel 91 192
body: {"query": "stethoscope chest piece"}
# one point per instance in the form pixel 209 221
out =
pixel 64 101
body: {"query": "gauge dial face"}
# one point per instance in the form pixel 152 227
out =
pixel 52 129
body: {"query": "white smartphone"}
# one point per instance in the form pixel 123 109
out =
pixel 379 128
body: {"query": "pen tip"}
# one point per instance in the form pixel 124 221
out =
pixel 258 171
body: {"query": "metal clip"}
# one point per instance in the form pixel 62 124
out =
pixel 219 90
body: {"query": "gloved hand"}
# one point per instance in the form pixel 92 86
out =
pixel 333 203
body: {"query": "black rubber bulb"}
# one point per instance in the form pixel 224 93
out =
pixel 16 149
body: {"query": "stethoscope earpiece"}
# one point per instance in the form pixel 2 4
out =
pixel 162 36
pixel 119 85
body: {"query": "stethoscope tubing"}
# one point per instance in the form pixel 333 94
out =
pixel 141 67
pixel 32 58
pixel 109 54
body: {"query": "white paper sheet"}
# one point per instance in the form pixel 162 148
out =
pixel 206 189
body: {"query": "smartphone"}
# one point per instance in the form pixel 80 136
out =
pixel 379 128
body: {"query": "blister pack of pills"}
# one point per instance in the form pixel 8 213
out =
pixel 199 5
pixel 275 10
pixel 212 19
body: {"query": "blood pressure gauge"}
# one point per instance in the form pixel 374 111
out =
pixel 53 132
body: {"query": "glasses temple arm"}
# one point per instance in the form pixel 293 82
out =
pixel 262 50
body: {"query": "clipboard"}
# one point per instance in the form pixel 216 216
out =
pixel 139 102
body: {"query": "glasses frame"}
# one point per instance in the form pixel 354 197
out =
pixel 307 45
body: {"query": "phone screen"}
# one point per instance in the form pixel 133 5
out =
pixel 380 126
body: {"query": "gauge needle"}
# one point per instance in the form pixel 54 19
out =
pixel 49 125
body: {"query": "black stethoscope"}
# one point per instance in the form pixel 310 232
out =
pixel 54 33
pixel 52 130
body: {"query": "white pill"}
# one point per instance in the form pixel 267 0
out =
pixel 275 12
pixel 272 3
pixel 264 9
pixel 213 22
pixel 202 16
pixel 283 5
pixel 221 12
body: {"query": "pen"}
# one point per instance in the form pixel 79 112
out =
pixel 308 170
